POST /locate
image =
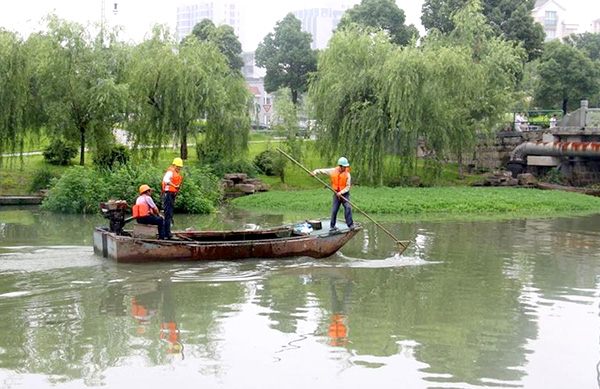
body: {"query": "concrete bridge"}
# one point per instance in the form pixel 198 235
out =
pixel 572 148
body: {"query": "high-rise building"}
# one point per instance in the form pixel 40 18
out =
pixel 551 15
pixel 220 12
pixel 320 22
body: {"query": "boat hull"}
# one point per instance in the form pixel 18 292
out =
pixel 129 249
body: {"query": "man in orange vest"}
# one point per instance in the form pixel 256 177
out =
pixel 145 210
pixel 171 184
pixel 341 183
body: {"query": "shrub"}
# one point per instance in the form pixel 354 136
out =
pixel 269 162
pixel 554 176
pixel 80 190
pixel 42 179
pixel 238 166
pixel 110 157
pixel 192 199
pixel 207 183
pixel 60 152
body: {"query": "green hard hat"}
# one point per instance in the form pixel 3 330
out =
pixel 343 162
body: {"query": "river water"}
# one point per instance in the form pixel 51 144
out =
pixel 470 305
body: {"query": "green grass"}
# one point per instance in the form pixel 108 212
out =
pixel 16 173
pixel 442 203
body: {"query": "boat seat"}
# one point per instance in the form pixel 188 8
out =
pixel 144 231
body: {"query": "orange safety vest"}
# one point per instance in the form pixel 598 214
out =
pixel 339 179
pixel 175 180
pixel 137 309
pixel 169 331
pixel 338 331
pixel 140 210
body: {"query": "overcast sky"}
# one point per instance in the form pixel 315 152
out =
pixel 137 16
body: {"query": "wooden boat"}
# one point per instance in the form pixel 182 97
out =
pixel 279 242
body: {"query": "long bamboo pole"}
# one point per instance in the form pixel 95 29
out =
pixel 402 244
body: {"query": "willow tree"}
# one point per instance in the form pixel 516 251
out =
pixel 494 66
pixel 177 87
pixel 79 91
pixel 374 100
pixel 227 119
pixel 350 119
pixel 13 92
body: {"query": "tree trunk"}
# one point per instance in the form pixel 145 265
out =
pixel 294 96
pixel 461 173
pixel 282 171
pixel 184 148
pixel 82 146
pixel 564 107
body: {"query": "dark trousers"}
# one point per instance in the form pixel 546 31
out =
pixel 168 201
pixel 347 210
pixel 156 221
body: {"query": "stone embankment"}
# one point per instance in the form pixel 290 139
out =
pixel 505 178
pixel 494 152
pixel 239 184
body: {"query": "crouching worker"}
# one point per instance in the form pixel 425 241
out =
pixel 145 211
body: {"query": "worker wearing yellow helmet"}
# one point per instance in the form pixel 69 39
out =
pixel 171 184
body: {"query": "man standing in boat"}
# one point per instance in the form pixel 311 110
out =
pixel 341 181
pixel 145 210
pixel 171 184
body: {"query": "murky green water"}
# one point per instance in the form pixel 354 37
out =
pixel 472 305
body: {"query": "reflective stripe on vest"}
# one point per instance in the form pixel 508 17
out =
pixel 338 179
pixel 175 180
pixel 140 210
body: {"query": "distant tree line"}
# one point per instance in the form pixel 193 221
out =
pixel 375 92
pixel 79 87
pixel 377 89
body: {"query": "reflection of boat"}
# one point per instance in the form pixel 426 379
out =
pixel 278 242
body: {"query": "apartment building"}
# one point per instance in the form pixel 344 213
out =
pixel 551 15
pixel 220 12
pixel 320 22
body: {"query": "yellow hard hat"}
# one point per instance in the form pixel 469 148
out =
pixel 144 188
pixel 178 162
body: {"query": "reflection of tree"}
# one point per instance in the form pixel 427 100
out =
pixel 67 331
pixel 52 229
pixel 285 297
pixel 465 314
pixel 551 272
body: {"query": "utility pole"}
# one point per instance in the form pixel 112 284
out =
pixel 102 20
pixel 103 16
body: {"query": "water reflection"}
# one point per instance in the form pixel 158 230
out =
pixel 469 305
pixel 144 308
pixel 338 331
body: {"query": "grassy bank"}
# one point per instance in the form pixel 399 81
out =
pixel 444 203
pixel 18 172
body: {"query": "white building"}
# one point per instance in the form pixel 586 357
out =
pixel 220 12
pixel 261 113
pixel 320 22
pixel 596 26
pixel 551 15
